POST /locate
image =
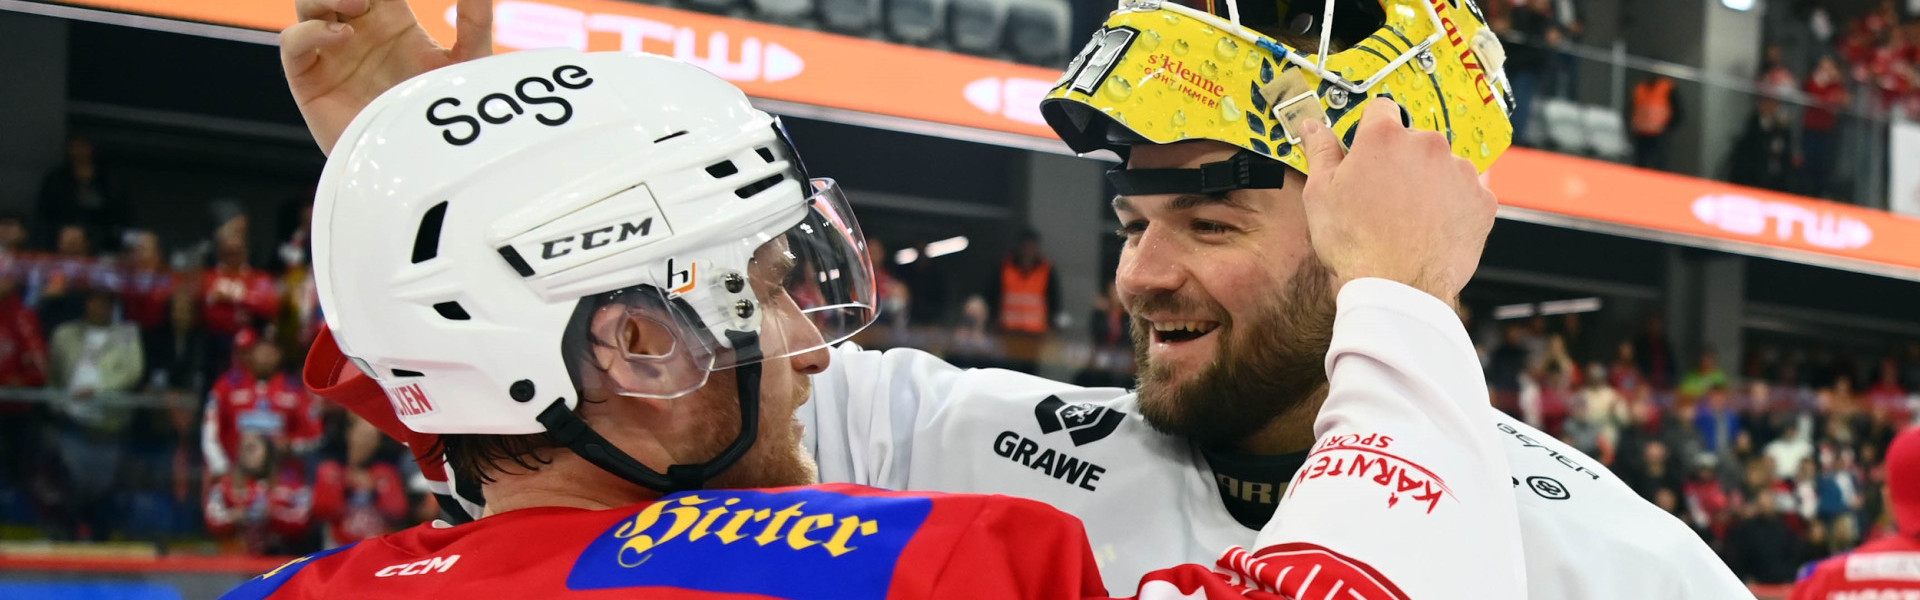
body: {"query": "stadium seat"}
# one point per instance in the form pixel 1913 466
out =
pixel 856 17
pixel 1037 31
pixel 712 6
pixel 789 12
pixel 974 26
pixel 917 22
pixel 1565 127
pixel 1607 133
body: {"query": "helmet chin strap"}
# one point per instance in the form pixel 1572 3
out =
pixel 567 428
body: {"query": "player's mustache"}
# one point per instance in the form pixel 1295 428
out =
pixel 1175 303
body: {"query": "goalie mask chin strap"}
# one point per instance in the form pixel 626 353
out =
pixel 1244 171
pixel 567 429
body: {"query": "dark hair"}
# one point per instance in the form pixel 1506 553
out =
pixel 477 457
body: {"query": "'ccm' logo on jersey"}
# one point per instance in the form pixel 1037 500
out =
pixel 437 564
pixel 1085 422
pixel 499 108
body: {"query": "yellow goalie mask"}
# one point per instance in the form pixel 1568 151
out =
pixel 1162 71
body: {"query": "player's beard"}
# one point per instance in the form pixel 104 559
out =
pixel 1264 366
pixel 776 458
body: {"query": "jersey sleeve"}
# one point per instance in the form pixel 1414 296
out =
pixel 1404 491
pixel 865 409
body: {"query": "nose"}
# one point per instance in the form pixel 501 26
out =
pixel 1149 266
pixel 800 333
pixel 812 362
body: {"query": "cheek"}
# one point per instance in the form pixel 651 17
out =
pixel 1244 282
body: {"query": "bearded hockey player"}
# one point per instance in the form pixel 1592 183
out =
pixel 603 281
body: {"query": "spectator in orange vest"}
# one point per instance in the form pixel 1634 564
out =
pixel 1656 113
pixel 1026 294
pixel 1883 568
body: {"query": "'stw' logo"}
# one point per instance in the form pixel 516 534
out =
pixel 1011 97
pixel 1085 422
pixel 411 401
pixel 524 24
pixel 1752 216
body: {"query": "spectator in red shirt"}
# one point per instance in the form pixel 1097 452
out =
pixel 233 296
pixel 1887 395
pixel 362 498
pixel 263 505
pixel 262 399
pixel 23 363
pixel 1707 499
pixel 1828 94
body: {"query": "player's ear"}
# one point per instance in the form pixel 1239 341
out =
pixel 619 335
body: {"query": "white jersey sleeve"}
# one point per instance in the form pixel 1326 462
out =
pixel 1403 476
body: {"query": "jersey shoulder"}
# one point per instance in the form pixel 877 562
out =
pixel 1572 509
pixel 266 585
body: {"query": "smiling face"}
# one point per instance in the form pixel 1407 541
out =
pixel 1232 311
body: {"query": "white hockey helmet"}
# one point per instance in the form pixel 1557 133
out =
pixel 472 220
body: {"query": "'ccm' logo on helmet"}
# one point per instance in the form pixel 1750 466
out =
pixel 499 108
pixel 596 238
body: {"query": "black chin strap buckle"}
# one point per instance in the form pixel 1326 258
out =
pixel 686 477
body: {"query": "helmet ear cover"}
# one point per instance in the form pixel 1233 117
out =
pixel 1244 171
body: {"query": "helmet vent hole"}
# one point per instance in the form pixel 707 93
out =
pixel 722 169
pixel 426 242
pixel 670 136
pixel 766 154
pixel 406 373
pixel 452 311
pixel 759 186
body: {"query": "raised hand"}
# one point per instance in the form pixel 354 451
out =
pixel 1399 206
pixel 344 53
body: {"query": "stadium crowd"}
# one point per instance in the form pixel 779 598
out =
pixel 1775 463
pixel 152 395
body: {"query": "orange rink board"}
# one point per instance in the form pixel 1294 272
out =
pixel 767 61
pixel 871 77
pixel 1726 216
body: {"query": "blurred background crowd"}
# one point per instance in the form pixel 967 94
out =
pixel 152 393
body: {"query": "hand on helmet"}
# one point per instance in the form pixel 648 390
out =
pixel 1399 206
pixel 344 53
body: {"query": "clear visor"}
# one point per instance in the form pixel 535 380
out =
pixel 802 289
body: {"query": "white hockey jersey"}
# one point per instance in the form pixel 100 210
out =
pixel 904 419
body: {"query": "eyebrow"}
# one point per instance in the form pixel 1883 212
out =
pixel 1187 202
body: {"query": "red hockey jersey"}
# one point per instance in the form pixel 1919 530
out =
pixel 830 542
pixel 1883 569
